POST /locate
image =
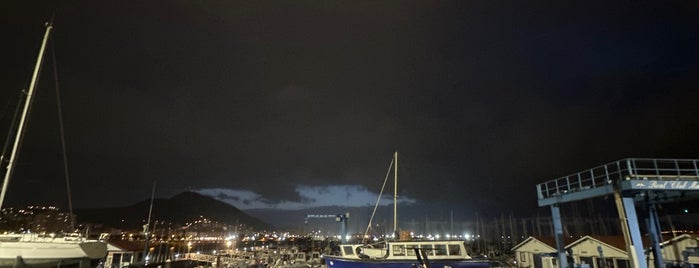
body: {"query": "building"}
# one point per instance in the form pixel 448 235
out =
pixel 122 253
pixel 604 252
pixel 599 252
pixel 678 252
pixel 537 252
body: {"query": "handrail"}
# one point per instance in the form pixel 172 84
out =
pixel 630 168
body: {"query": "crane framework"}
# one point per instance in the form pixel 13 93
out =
pixel 634 180
pixel 342 218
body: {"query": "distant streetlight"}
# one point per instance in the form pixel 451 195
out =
pixel 189 248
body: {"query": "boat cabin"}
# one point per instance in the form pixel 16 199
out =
pixel 407 250
pixel 122 253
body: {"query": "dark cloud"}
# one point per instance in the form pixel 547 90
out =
pixel 309 197
pixel 223 196
pixel 482 99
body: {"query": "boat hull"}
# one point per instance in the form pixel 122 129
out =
pixel 49 254
pixel 339 262
pixel 94 249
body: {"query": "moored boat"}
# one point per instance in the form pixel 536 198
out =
pixel 48 250
pixel 404 253
pixel 17 250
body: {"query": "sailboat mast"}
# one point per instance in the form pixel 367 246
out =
pixel 395 193
pixel 25 116
pixel 145 228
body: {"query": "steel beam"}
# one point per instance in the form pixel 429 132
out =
pixel 558 233
pixel 629 225
pixel 654 232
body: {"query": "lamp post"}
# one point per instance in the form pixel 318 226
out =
pixel 189 249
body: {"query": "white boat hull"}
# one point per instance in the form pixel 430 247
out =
pixel 49 252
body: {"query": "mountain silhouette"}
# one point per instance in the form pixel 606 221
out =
pixel 180 209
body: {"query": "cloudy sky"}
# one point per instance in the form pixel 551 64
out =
pixel 296 104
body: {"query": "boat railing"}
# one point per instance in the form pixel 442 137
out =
pixel 10 238
pixel 625 169
pixel 35 237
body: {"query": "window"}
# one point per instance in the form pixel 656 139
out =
pixel 116 260
pixel 622 263
pixel 440 250
pixel 587 260
pixel 127 257
pixel 428 249
pixel 608 263
pixel 410 249
pixel 348 250
pixel 398 250
pixel 522 257
pixel 454 250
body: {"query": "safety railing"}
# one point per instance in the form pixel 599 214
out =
pixel 631 168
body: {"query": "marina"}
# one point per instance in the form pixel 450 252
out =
pixel 397 252
pixel 267 127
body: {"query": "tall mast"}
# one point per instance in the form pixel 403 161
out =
pixel 145 227
pixel 395 193
pixel 25 115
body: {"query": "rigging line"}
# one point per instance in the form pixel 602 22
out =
pixel 24 117
pixel 9 137
pixel 63 137
pixel 379 198
pixel 4 109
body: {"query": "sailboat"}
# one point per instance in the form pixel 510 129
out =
pixel 22 249
pixel 404 252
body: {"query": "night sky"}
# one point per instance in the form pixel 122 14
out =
pixel 296 104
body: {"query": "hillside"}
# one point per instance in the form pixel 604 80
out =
pixel 179 209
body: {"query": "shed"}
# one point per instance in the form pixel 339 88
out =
pixel 600 252
pixel 537 252
pixel 678 250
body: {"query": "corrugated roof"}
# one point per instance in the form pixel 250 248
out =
pixel 617 241
pixel 548 240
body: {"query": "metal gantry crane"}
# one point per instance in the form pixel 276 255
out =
pixel 630 181
pixel 342 218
